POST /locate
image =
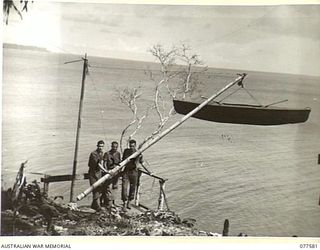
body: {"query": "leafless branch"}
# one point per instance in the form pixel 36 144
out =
pixel 129 98
pixel 172 81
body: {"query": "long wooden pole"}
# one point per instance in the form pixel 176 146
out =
pixel 147 145
pixel 75 159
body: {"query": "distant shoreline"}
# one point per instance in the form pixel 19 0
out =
pixel 24 47
pixel 40 49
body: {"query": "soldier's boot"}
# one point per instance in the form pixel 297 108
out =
pixel 128 205
pixel 95 205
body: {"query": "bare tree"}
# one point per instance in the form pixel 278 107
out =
pixel 174 79
pixel 129 98
pixel 162 86
pixel 187 75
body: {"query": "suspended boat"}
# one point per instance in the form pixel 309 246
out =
pixel 244 113
pixel 120 167
pixel 219 112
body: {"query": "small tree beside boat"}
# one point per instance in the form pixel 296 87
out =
pixel 175 78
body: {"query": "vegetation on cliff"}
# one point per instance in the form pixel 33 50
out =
pixel 26 210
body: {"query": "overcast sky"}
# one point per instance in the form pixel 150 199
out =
pixel 282 39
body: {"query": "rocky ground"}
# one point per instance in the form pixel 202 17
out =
pixel 34 220
pixel 29 212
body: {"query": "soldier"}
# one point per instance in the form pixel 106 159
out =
pixel 130 175
pixel 96 159
pixel 112 158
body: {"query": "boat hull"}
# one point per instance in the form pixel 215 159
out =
pixel 244 114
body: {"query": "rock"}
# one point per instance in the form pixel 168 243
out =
pixel 189 222
pixel 73 206
pixel 48 211
pixel 87 210
pixel 8 212
pixel 60 229
pixel 156 232
pixel 70 220
pixel 202 233
pixel 29 210
pixel 167 233
pixel 242 235
pixel 214 234
pixel 24 217
pixel 72 216
pixel 145 231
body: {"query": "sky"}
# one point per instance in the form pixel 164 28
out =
pixel 270 38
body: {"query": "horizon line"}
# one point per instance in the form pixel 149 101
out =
pixel 43 49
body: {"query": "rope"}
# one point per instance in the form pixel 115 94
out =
pixel 230 94
pixel 154 179
pixel 274 103
pixel 161 188
pixel 247 91
pixel 148 166
pixel 252 96
pixel 232 34
pixel 146 69
pixel 152 186
pixel 99 103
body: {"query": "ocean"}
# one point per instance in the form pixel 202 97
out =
pixel 264 179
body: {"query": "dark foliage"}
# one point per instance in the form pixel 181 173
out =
pixel 10 4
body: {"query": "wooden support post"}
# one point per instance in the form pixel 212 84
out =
pixel 225 228
pixel 75 160
pixel 161 195
pixel 45 185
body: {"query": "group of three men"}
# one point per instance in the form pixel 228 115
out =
pixel 100 163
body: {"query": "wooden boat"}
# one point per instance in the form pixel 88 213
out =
pixel 244 113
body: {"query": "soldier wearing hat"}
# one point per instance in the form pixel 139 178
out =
pixel 96 159
pixel 112 158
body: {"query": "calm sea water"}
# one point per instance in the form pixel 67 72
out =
pixel 265 180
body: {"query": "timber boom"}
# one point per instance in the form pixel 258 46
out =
pixel 121 166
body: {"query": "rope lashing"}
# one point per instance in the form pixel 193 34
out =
pixel 252 96
pixel 231 94
pixel 247 91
